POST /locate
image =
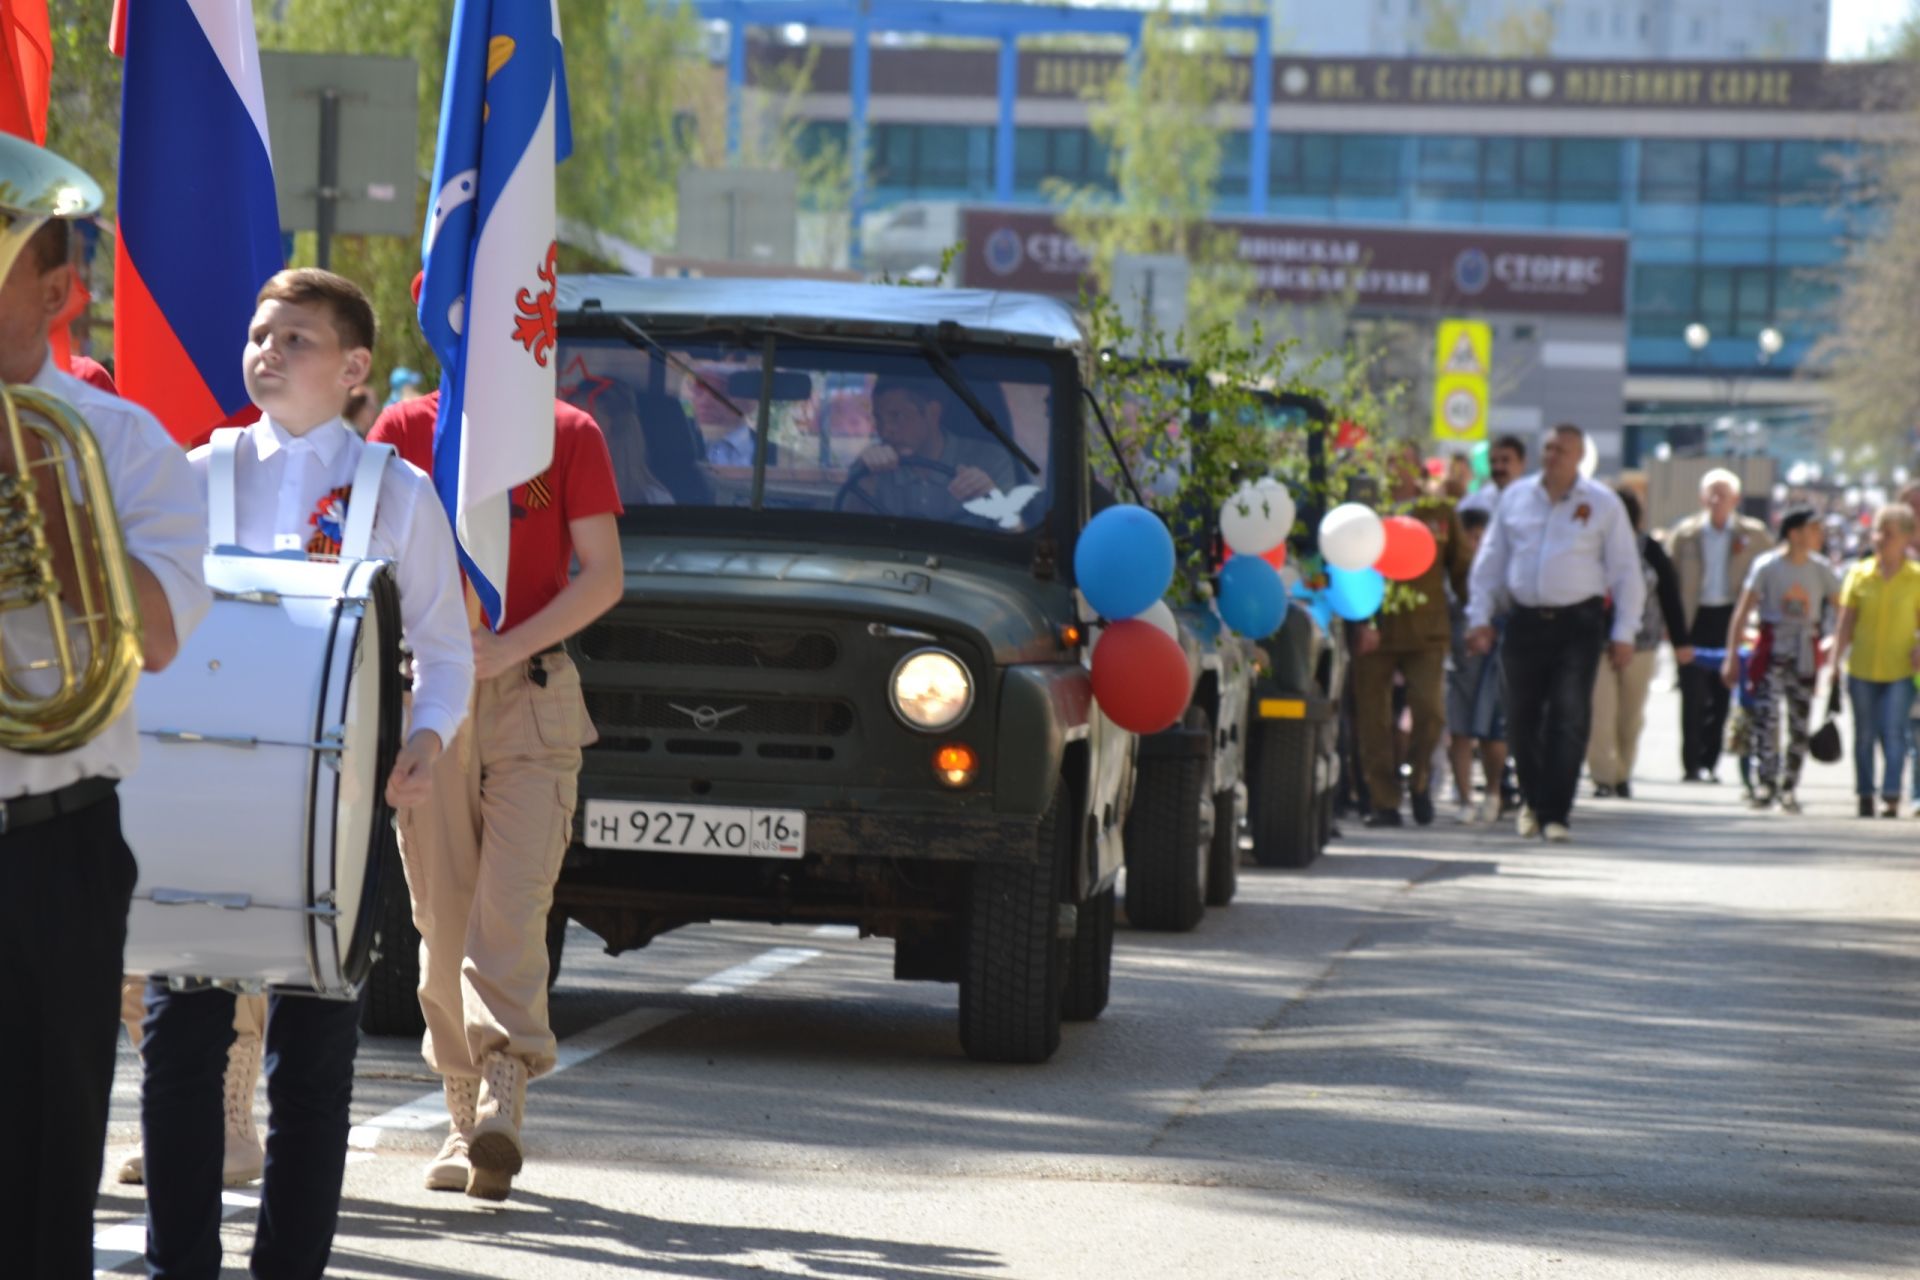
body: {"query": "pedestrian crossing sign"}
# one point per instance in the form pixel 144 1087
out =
pixel 1463 359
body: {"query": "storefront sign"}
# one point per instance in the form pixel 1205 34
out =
pixel 1376 268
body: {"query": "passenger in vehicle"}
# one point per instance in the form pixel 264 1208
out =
pixel 727 435
pixel 617 409
pixel 915 420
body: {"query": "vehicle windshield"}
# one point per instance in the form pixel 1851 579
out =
pixel 862 431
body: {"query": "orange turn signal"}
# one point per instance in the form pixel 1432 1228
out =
pixel 955 765
pixel 1070 637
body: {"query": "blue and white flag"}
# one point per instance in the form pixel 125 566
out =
pixel 487 302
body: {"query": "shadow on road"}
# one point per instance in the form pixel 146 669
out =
pixel 549 1228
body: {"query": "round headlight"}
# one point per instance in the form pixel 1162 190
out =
pixel 931 690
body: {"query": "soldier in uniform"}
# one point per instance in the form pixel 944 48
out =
pixel 1412 641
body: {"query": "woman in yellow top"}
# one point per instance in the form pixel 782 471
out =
pixel 1878 631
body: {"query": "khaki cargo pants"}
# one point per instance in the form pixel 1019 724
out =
pixel 481 859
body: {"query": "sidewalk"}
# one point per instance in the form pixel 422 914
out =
pixel 1688 1042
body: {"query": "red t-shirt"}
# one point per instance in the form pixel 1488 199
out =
pixel 579 484
pixel 93 373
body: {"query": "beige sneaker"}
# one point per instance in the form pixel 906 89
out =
pixel 494 1149
pixel 450 1170
pixel 245 1157
pixel 1527 825
pixel 1557 833
pixel 133 1171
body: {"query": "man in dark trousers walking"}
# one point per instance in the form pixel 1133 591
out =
pixel 1560 545
pixel 1712 551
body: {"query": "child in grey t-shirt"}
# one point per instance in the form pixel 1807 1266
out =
pixel 1792 592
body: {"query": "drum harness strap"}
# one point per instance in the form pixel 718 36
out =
pixel 223 524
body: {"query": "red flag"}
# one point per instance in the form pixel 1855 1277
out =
pixel 26 68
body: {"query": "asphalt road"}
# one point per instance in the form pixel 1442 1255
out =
pixel 1684 1046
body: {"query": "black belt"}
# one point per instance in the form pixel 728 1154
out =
pixel 31 811
pixel 1549 613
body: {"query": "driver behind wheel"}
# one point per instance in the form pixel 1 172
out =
pixel 910 416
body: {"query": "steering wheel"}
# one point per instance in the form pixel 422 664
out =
pixel 860 471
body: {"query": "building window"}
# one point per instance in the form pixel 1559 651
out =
pixel 1448 169
pixel 1301 164
pixel 1369 165
pixel 1588 170
pixel 1670 172
pixel 1663 301
pixel 1066 155
pixel 1518 168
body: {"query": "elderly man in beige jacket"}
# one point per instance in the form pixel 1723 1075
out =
pixel 1712 551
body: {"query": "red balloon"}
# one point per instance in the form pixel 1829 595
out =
pixel 1140 676
pixel 1277 557
pixel 1410 549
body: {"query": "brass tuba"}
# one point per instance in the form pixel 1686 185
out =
pixel 62 556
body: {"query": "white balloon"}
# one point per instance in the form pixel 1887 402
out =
pixel 1590 460
pixel 1161 616
pixel 1281 502
pixel 1255 520
pixel 1352 537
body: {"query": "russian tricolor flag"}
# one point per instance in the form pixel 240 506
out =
pixel 199 230
pixel 487 302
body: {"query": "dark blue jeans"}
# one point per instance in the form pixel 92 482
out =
pixel 1880 710
pixel 1549 658
pixel 310 1046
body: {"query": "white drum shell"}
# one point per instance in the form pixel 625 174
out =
pixel 232 812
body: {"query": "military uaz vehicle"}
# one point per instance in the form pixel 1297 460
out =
pixel 848 681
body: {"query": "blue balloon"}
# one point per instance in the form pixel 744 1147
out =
pixel 1355 594
pixel 1124 562
pixel 1253 599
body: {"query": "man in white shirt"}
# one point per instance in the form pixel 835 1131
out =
pixel 66 873
pixel 1560 545
pixel 1506 460
pixel 309 345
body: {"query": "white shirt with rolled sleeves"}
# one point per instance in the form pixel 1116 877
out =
pixel 1542 554
pixel 280 479
pixel 164 522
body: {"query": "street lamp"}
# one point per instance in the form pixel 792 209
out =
pixel 1768 343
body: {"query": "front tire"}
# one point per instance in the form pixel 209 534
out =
pixel 1286 819
pixel 1090 960
pixel 1167 848
pixel 1223 855
pixel 1011 986
pixel 392 1005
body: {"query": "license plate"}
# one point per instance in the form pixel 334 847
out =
pixel 693 828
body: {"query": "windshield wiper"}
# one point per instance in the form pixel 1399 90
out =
pixel 943 365
pixel 641 338
pixel 1126 472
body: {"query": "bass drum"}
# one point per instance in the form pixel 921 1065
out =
pixel 259 806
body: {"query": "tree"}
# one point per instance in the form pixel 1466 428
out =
pixel 626 67
pixel 1526 31
pixel 1161 127
pixel 1867 357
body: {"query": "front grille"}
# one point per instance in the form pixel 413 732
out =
pixel 623 714
pixel 766 650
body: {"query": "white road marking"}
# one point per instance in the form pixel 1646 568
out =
pixel 754 971
pixel 125 1243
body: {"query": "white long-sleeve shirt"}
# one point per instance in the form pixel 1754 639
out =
pixel 164 522
pixel 1543 554
pixel 280 480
